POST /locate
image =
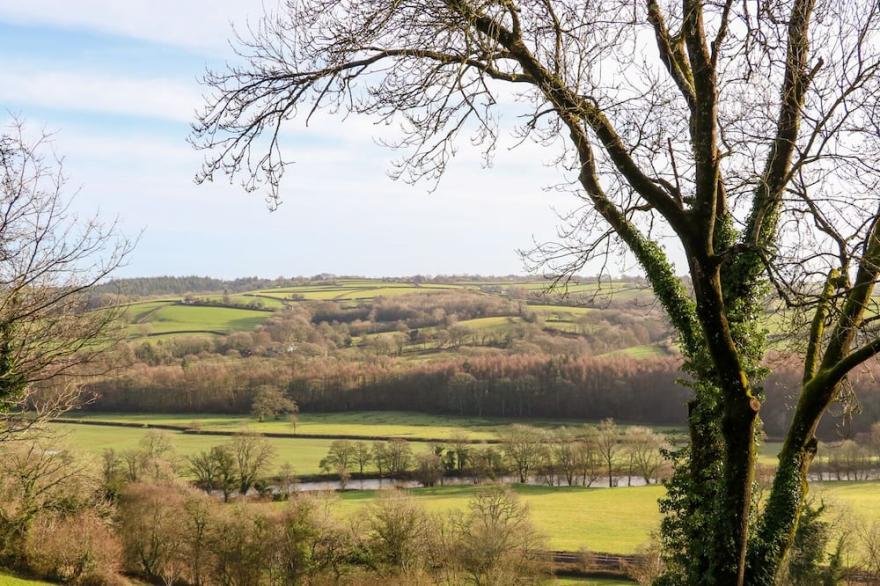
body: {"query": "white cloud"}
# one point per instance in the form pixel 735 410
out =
pixel 92 92
pixel 197 24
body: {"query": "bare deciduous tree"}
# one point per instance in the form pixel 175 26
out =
pixel 49 260
pixel 253 454
pixel 524 447
pixel 746 133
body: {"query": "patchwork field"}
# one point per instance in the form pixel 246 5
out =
pixel 159 319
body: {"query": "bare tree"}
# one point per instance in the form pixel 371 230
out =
pixel 745 133
pixel 253 454
pixel 608 445
pixel 644 447
pixel 524 447
pixel 49 260
pixel 362 456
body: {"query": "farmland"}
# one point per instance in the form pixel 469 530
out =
pixel 304 455
pixel 378 424
pixel 614 520
pixel 10 580
pixel 216 314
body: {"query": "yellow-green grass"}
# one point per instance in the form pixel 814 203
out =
pixel 371 293
pixel 352 290
pixel 160 338
pixel 643 351
pixel 767 453
pixel 617 520
pixel 363 423
pixel 591 287
pixel 310 294
pixel 188 318
pixel 559 310
pixel 496 324
pixel 245 298
pixel 7 579
pixel 490 323
pixel 565 326
pixel 139 311
pixel 304 455
pixel 858 500
pixel 587 582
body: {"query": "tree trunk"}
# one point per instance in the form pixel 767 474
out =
pixel 739 411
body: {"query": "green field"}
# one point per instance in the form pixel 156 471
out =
pixel 363 423
pixel 169 317
pixel 617 520
pixel 588 582
pixel 559 310
pixel 645 351
pixel 246 298
pixel 7 579
pixel 304 455
pixel 859 500
pixel 351 290
pixel 612 520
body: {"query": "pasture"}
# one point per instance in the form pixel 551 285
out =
pixel 615 520
pixel 170 317
pixel 378 424
pixel 303 454
pixel 588 582
pixel 7 579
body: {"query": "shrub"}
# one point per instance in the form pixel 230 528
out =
pixel 80 549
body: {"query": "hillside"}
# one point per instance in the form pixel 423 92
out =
pixel 451 314
pixel 500 347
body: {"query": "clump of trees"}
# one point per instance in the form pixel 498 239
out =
pixel 68 519
pixel 237 466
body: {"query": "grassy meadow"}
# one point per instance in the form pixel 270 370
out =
pixel 7 579
pixel 304 455
pixel 380 424
pixel 615 520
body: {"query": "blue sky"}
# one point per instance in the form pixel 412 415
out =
pixel 117 83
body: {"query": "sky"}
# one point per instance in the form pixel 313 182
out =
pixel 117 84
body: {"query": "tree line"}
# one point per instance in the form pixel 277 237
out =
pixel 644 391
pixel 563 456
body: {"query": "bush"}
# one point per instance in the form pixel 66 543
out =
pixel 80 549
pixel 495 541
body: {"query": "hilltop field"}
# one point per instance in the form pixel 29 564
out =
pixel 501 309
